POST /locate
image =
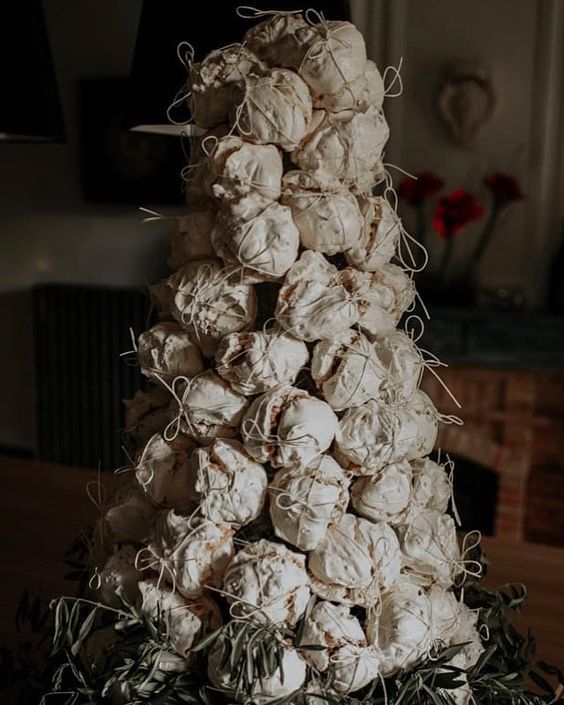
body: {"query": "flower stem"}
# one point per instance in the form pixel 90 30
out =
pixel 486 235
pixel 445 261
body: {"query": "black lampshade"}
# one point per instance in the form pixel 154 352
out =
pixel 157 74
pixel 30 109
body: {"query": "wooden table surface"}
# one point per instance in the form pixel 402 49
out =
pixel 43 508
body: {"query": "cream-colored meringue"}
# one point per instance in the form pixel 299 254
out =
pixel 313 303
pixel 191 238
pixel 347 145
pixel 190 552
pixel 426 419
pixel 356 94
pixel 285 680
pixel 326 213
pixel 182 620
pixel 380 234
pixel 162 471
pixel 147 413
pixel 119 576
pixel 257 361
pixel 347 371
pixel 432 487
pixel 273 108
pixel 288 428
pixel 355 560
pixel 280 40
pixel 353 665
pixel 401 628
pixel 382 296
pixel 244 177
pixel 166 351
pixel 269 582
pixel 266 245
pixel 404 364
pixel 445 615
pixel 211 301
pixel 211 82
pixel 304 500
pixel 375 434
pixel 210 408
pixel 385 495
pixel 430 548
pixel 228 486
pixel 130 519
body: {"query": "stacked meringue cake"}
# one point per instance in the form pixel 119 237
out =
pixel 281 492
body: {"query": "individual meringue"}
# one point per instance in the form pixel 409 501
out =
pixel 326 214
pixel 288 428
pixel 426 419
pixel 228 486
pixel 182 620
pixel 244 177
pixel 273 108
pixel 304 500
pixel 266 245
pixel 210 301
pixel 312 302
pixel 359 93
pixel 166 351
pixel 432 488
pixel 346 145
pixel 379 237
pixel 401 628
pixel 189 552
pixel 347 371
pixel 191 238
pixel 352 664
pixel 257 361
pixel 430 548
pixel 147 413
pixel 162 471
pixel 210 408
pixel 385 495
pixel 354 561
pixel 212 81
pixel 130 519
pixel 404 364
pixel 281 39
pixel 269 582
pixel 118 577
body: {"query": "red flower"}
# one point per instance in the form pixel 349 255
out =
pixel 455 211
pixel 504 188
pixel 415 191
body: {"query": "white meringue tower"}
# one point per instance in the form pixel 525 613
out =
pixel 284 527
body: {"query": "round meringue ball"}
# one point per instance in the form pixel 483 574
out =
pixel 426 419
pixel 346 370
pixel 355 560
pixel 280 40
pixel 400 357
pixel 211 82
pixel 401 628
pixel 430 548
pixel 162 471
pixel 119 576
pixel 183 621
pixel 147 413
pixel 346 145
pixel 343 647
pixel 166 351
pixel 192 553
pixel 244 177
pixel 386 495
pixel 210 408
pixel 228 485
pixel 326 214
pixel 357 94
pixel 255 362
pixel 312 302
pixel 379 237
pixel 273 108
pixel 304 500
pixel 269 582
pixel 130 519
pixel 382 297
pixel 265 245
pixel 288 428
pixel 286 679
pixel 374 435
pixel 191 238
pixel 210 301
pixel 432 488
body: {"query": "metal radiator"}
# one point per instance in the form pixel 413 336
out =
pixel 80 332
